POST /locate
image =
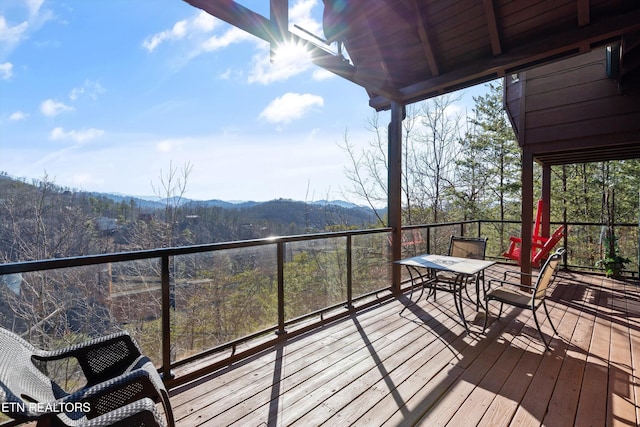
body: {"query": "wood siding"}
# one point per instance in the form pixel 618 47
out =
pixel 573 112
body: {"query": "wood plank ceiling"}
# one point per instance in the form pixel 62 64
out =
pixel 410 50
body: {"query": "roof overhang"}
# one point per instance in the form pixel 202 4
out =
pixel 408 50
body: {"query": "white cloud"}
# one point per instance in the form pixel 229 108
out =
pixel 300 14
pixel 204 22
pixel 18 116
pixel 288 61
pixel 290 106
pixel 201 23
pixel 177 32
pixel 89 88
pixel 6 70
pixel 59 134
pixel 51 108
pixel 226 75
pixel 34 6
pixel 165 146
pixel 231 36
pixel 11 35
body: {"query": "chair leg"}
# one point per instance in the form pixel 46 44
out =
pixel 411 300
pixel 432 291
pixel 466 289
pixel 546 310
pixel 412 289
pixel 486 316
pixel 168 411
pixel 458 302
pixel 487 312
pixel 535 317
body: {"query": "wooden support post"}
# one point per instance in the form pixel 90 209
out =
pixel 545 227
pixel 394 196
pixel 527 214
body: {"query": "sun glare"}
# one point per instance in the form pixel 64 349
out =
pixel 291 53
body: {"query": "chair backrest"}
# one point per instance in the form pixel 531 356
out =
pixel 538 223
pixel 468 247
pixel 548 246
pixel 20 380
pixel 547 273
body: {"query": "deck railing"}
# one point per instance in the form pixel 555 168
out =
pixel 224 301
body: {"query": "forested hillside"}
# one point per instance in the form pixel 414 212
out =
pixel 216 296
pixel 41 220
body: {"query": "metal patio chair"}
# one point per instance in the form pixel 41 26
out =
pixel 122 386
pixel 523 296
pixel 454 283
pixel 465 247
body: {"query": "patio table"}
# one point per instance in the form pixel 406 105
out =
pixel 425 268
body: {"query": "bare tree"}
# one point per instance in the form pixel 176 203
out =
pixel 368 170
pixel 430 138
pixel 42 221
pixel 436 152
pixel 173 187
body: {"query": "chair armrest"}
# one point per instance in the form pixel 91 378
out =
pixel 95 400
pixel 505 282
pixel 142 412
pixel 515 273
pixel 112 394
pixel 102 358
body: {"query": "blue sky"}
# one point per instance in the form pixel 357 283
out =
pixel 108 95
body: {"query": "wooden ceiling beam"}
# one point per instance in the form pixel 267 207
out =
pixel 237 15
pixel 369 34
pixel 279 15
pixel 584 13
pixel 492 26
pixel 427 45
pixel 539 51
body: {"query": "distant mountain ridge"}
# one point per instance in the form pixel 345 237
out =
pixel 315 215
pixel 209 220
pixel 157 202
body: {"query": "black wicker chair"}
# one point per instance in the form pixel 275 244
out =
pixel 122 386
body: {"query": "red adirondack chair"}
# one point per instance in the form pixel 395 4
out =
pixel 541 246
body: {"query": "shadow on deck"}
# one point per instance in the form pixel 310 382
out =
pixel 377 367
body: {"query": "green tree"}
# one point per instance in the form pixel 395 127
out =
pixel 488 171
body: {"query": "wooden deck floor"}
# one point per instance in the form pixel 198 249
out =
pixel 421 368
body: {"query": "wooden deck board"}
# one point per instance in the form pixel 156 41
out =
pixel 633 317
pixel 622 406
pixel 378 367
pixel 352 404
pixel 566 393
pixel 592 406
